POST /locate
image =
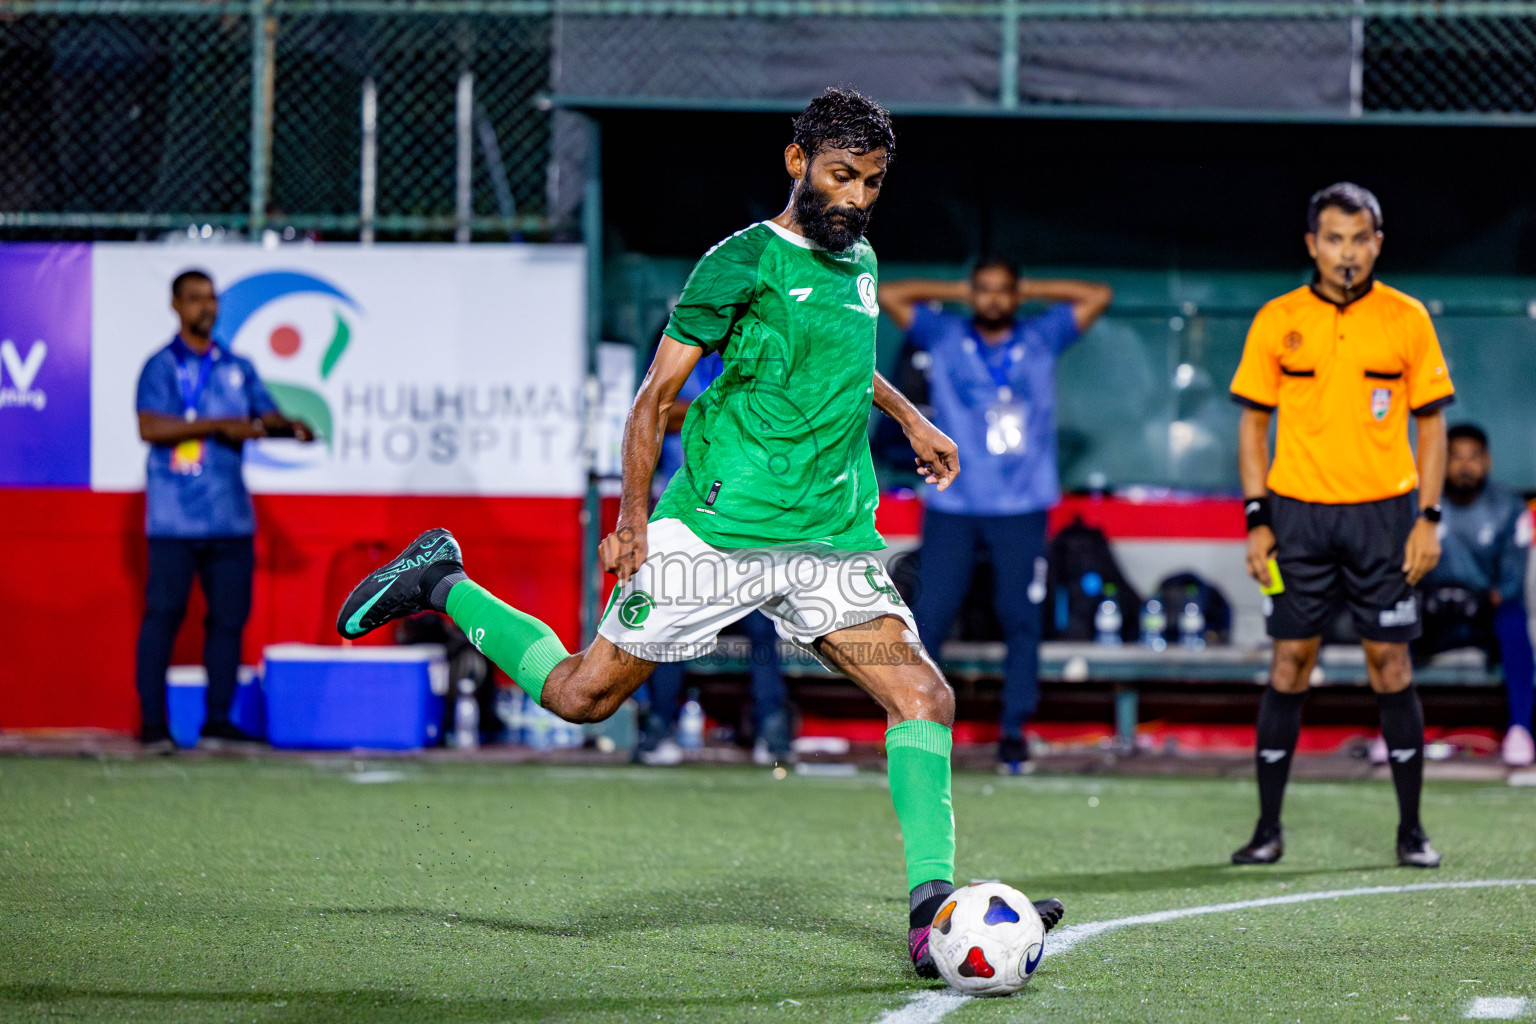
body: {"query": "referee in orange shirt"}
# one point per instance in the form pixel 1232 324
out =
pixel 1344 361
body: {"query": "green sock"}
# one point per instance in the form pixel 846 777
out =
pixel 917 758
pixel 520 645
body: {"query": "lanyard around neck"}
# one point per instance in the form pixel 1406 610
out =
pixel 192 386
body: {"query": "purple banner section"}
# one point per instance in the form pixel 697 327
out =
pixel 45 365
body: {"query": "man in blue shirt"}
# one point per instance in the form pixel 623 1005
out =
pixel 1475 595
pixel 992 387
pixel 198 404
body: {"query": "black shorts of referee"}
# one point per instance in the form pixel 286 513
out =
pixel 1331 556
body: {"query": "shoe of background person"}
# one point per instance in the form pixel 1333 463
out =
pixel 396 591
pixel 1266 847
pixel 773 744
pixel 156 739
pixel 1414 851
pixel 1378 751
pixel 664 754
pixel 1013 756
pixel 1519 749
pixel 224 735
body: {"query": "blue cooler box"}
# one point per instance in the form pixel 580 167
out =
pixel 186 703
pixel 330 698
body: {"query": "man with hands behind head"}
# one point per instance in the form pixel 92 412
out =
pixel 1336 518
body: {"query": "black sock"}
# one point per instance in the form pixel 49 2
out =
pixel 1402 727
pixel 1279 726
pixel 437 580
pixel 926 900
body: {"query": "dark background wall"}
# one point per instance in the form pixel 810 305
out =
pixel 1195 224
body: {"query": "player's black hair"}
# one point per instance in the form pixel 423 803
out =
pixel 1346 196
pixel 844 119
pixel 993 261
pixel 1469 432
pixel 188 275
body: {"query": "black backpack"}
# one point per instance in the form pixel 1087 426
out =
pixel 1182 588
pixel 1083 572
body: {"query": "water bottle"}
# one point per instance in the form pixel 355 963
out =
pixel 1154 621
pixel 690 723
pixel 466 717
pixel 1192 625
pixel 509 713
pixel 1108 619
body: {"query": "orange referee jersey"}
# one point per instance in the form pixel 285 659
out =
pixel 1343 379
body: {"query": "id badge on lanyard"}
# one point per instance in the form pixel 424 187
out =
pixel 187 457
pixel 1006 421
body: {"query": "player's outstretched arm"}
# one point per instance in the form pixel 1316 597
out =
pixel 624 550
pixel 938 457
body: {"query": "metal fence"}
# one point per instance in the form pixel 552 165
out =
pixel 432 118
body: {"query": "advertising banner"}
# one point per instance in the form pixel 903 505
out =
pixel 45 364
pixel 424 369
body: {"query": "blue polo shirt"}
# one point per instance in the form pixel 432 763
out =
pixel 197 489
pixel 965 378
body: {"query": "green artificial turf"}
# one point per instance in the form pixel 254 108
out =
pixel 278 890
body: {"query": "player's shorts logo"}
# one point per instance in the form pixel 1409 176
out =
pixel 636 609
pixel 1381 402
pixel 867 293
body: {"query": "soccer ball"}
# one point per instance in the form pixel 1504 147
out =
pixel 987 939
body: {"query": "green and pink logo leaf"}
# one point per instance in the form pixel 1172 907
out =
pixel 248 296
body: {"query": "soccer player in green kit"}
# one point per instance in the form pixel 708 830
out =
pixel 774 507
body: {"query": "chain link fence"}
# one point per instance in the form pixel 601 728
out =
pixel 430 119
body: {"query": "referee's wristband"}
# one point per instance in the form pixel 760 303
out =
pixel 1257 512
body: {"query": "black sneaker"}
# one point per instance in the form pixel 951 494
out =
pixel 156 739
pixel 396 591
pixel 224 735
pixel 1414 851
pixel 1266 847
pixel 1013 756
pixel 1051 912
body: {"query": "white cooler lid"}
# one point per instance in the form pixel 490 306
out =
pixel 333 652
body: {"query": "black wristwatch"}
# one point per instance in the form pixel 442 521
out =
pixel 1432 513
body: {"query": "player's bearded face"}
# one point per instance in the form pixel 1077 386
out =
pixel 832 226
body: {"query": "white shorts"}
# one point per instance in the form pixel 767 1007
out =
pixel 688 590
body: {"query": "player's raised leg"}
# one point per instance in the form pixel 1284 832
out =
pixel 429 575
pixel 885 658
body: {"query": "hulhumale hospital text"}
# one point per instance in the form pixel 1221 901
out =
pixel 405 423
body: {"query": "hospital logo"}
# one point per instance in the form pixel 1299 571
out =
pixel 296 328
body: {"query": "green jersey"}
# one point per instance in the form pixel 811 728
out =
pixel 776 450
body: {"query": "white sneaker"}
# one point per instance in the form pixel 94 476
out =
pixel 664 755
pixel 1519 748
pixel 1378 751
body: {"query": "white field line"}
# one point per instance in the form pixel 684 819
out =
pixel 1069 937
pixel 925 1007
pixel 932 1005
pixel 1497 1007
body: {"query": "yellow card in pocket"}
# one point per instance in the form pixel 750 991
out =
pixel 1276 584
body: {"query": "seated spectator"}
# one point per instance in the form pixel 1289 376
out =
pixel 1475 597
